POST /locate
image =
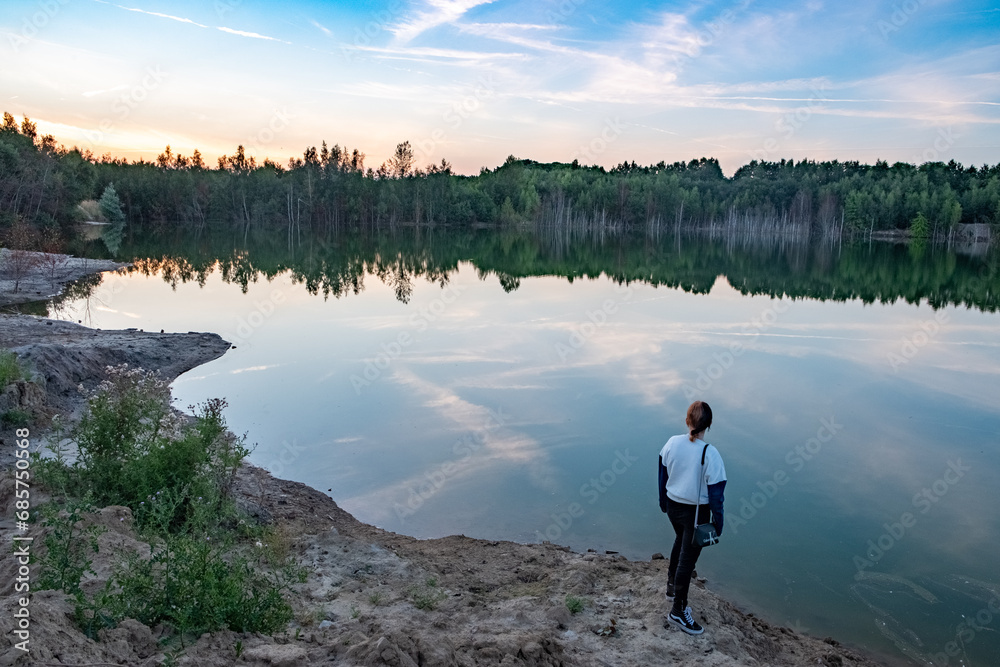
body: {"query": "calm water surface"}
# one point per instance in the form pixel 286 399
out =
pixel 860 440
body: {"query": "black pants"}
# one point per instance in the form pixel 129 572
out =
pixel 685 553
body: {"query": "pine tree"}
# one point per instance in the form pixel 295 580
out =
pixel 111 206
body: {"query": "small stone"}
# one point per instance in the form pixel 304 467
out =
pixel 656 556
pixel 532 651
pixel 278 655
pixel 560 615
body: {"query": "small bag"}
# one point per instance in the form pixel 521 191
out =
pixel 704 534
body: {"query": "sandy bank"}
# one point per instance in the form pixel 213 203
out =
pixel 374 597
pixel 39 275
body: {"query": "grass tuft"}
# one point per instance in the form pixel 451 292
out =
pixel 10 369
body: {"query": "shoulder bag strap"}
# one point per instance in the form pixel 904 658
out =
pixel 701 478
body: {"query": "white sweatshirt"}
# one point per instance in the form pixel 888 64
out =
pixel 682 459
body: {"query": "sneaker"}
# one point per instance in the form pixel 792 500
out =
pixel 685 622
pixel 670 589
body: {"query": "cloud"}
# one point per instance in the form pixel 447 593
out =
pixel 439 13
pixel 486 28
pixel 232 31
pixel 250 369
pixel 254 35
pixel 93 93
pixel 440 53
pixel 643 66
pixel 674 37
pixel 501 442
pixel 157 14
pixel 326 31
pixel 490 61
pixel 385 91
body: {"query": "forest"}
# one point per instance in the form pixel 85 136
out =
pixel 46 190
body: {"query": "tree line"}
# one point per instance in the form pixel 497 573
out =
pixel 43 185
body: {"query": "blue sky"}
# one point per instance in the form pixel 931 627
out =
pixel 473 81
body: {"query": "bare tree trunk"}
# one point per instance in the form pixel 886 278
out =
pixel 246 215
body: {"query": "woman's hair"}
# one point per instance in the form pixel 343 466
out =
pixel 699 418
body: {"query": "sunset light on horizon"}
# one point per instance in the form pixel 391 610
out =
pixel 473 81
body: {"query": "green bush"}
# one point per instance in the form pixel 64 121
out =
pixel 574 604
pixel 135 451
pixel 176 476
pixel 16 417
pixel 67 544
pixel 196 586
pixel 10 368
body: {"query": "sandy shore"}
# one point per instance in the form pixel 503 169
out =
pixel 480 602
pixel 44 275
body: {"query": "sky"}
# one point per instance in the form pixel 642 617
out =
pixel 474 81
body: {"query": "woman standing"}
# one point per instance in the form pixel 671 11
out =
pixel 685 484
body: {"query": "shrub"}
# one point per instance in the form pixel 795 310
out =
pixel 134 451
pixel 16 417
pixel 196 586
pixel 176 476
pixel 10 368
pixel 67 544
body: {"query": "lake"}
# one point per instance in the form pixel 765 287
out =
pixel 519 385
